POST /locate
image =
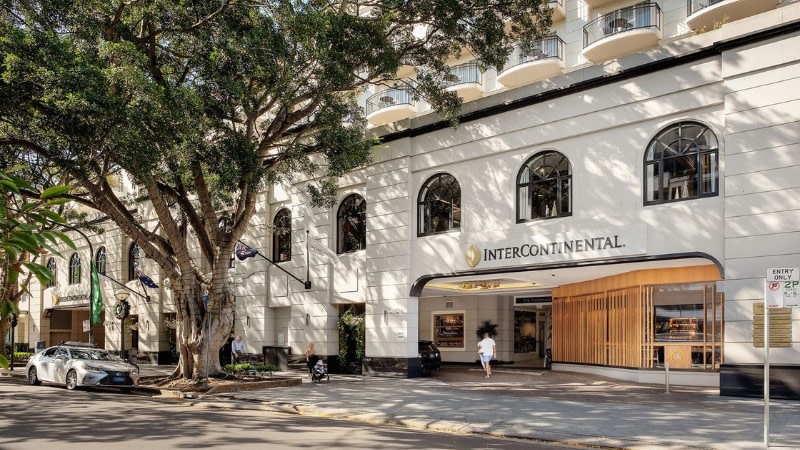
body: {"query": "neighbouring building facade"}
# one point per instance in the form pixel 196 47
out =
pixel 614 195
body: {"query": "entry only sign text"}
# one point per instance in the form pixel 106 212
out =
pixel 783 287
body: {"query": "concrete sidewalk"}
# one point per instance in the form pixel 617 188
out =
pixel 564 407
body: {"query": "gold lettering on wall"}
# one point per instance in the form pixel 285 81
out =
pixel 780 326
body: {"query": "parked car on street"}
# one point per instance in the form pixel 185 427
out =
pixel 430 356
pixel 76 364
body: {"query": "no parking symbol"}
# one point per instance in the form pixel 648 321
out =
pixel 783 287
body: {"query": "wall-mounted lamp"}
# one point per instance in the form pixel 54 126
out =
pixel 308 318
pixel 385 317
pixel 248 320
pixel 121 295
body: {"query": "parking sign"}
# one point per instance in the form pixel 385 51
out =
pixel 782 287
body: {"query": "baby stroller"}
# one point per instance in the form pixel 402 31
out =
pixel 318 372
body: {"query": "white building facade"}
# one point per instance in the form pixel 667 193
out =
pixel 613 196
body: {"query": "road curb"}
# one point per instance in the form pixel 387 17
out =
pixel 449 426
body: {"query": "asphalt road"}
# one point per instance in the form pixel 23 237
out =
pixel 50 417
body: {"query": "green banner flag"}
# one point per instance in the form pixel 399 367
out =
pixel 97 296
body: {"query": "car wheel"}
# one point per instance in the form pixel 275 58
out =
pixel 72 380
pixel 33 377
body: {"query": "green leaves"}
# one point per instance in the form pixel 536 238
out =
pixel 25 232
pixel 55 191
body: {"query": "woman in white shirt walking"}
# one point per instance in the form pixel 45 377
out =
pixel 487 349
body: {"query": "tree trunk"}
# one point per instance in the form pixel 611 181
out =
pixel 4 327
pixel 202 332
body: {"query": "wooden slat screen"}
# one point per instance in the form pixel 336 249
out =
pixel 579 329
pixel 602 328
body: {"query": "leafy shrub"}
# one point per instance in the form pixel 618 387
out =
pixel 247 367
pixel 266 368
pixel 237 368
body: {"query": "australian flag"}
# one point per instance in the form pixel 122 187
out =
pixel 243 251
pixel 147 281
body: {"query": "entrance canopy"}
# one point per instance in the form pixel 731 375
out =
pixel 72 307
pixel 541 279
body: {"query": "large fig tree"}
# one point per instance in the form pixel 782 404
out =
pixel 204 103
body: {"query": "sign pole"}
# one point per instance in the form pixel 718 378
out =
pixel 766 368
pixel 781 289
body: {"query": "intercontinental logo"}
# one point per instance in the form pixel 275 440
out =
pixel 596 244
pixel 473 255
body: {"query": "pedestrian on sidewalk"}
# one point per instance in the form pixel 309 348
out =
pixel 237 349
pixel 487 349
pixel 311 358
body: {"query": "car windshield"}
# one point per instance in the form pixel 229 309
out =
pixel 93 355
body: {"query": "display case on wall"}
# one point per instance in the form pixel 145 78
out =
pixel 684 328
pixel 448 330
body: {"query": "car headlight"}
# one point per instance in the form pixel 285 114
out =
pixel 92 368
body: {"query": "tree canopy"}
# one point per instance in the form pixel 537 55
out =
pixel 204 103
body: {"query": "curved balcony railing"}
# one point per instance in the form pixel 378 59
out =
pixel 389 97
pixel 692 6
pixel 549 47
pixel 462 74
pixel 621 21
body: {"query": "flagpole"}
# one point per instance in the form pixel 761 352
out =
pixel 306 284
pixel 123 285
pixel 144 288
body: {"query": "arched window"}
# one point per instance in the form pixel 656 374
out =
pixel 53 268
pixel 351 220
pixel 133 262
pixel 282 236
pixel 439 205
pixel 544 187
pixel 100 260
pixel 74 269
pixel 681 162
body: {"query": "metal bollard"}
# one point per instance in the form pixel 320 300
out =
pixel 666 375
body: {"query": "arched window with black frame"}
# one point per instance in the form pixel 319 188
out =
pixel 133 261
pixel 75 269
pixel 100 260
pixel 681 163
pixel 53 268
pixel 282 236
pixel 351 220
pixel 544 187
pixel 439 205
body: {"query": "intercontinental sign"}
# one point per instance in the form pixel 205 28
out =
pixel 568 246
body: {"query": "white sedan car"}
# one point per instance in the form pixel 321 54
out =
pixel 75 365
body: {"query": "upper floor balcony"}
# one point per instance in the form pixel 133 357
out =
pixel 596 3
pixel 538 61
pixel 558 9
pixel 390 106
pixel 622 32
pixel 466 80
pixel 704 15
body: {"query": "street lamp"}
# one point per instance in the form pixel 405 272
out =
pixel 121 311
